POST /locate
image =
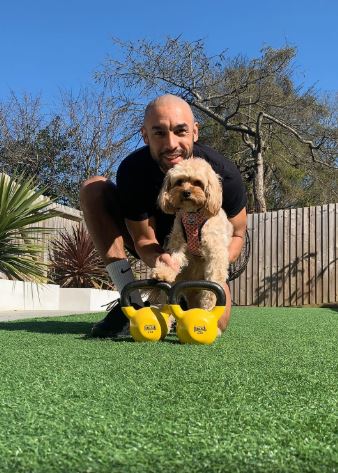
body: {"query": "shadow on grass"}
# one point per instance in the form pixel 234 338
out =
pixel 66 327
pixel 333 307
pixel 48 326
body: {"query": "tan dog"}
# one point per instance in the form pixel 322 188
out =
pixel 201 233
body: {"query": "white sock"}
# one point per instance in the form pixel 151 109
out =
pixel 121 274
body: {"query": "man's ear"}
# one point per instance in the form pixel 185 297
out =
pixel 144 135
pixel 195 132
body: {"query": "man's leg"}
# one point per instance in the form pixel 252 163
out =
pixel 224 320
pixel 108 231
pixel 103 219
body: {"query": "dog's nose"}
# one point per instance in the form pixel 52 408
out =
pixel 186 194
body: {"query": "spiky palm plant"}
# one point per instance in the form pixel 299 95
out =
pixel 75 261
pixel 22 207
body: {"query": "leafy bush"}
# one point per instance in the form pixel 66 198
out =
pixel 75 262
pixel 22 206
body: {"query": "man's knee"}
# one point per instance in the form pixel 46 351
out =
pixel 224 320
pixel 93 191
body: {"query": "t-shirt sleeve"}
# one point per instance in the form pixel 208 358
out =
pixel 131 194
pixel 234 192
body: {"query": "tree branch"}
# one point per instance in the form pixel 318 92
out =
pixel 294 132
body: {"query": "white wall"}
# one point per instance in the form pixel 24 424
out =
pixel 85 299
pixel 18 295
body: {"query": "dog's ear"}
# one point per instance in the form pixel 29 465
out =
pixel 213 192
pixel 164 200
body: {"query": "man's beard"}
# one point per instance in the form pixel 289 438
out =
pixel 162 160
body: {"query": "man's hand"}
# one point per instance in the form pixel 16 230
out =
pixel 166 259
pixel 166 269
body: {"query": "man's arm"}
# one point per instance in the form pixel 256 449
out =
pixel 238 237
pixel 146 244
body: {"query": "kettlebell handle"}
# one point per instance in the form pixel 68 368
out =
pixel 214 287
pixel 141 284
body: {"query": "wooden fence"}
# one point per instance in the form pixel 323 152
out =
pixel 66 217
pixel 65 220
pixel 294 258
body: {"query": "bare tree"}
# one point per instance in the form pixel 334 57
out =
pixel 21 119
pixel 33 143
pixel 86 137
pixel 97 131
pixel 253 98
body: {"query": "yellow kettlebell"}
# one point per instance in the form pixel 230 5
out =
pixel 196 325
pixel 148 324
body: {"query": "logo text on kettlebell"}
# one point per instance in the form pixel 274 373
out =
pixel 149 328
pixel 200 329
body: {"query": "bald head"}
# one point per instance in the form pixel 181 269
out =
pixel 169 102
pixel 170 130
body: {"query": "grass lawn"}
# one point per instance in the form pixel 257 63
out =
pixel 263 398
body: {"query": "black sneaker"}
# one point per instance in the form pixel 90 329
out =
pixel 114 325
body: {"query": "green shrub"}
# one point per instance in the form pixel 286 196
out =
pixel 75 262
pixel 22 207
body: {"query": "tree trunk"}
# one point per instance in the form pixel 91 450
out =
pixel 258 184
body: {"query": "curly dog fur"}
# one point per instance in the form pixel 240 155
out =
pixel 192 187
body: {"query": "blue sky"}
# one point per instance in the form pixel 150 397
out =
pixel 46 45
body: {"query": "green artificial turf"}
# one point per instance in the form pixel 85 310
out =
pixel 263 398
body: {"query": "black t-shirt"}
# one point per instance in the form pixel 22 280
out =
pixel 139 180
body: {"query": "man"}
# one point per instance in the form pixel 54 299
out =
pixel 127 215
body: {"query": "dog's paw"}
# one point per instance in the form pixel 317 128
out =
pixel 163 272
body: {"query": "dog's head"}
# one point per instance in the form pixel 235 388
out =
pixel 190 186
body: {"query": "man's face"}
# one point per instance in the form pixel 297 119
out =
pixel 170 132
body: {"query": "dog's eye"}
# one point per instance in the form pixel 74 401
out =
pixel 198 183
pixel 179 182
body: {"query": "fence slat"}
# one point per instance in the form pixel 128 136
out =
pixel 261 262
pixel 273 256
pixel 249 268
pixel 286 258
pixel 319 267
pixel 293 257
pixel 331 252
pixel 242 287
pixel 255 259
pixel 267 260
pixel 299 256
pixel 280 258
pixel 313 255
pixel 306 257
pixel 325 246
